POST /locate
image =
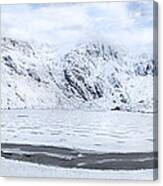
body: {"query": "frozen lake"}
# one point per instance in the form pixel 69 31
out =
pixel 95 131
pixel 77 144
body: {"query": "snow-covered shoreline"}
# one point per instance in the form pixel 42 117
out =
pixel 24 169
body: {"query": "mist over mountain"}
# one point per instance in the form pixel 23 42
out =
pixel 95 76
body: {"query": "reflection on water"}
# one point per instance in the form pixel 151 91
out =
pixel 100 131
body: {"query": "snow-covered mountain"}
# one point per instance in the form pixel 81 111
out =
pixel 27 74
pixel 94 75
pixel 98 75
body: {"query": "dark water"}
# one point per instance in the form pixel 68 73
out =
pixel 75 158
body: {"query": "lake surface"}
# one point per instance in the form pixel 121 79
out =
pixel 93 131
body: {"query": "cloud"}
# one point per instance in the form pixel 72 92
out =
pixel 67 25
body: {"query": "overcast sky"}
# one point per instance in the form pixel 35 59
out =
pixel 67 25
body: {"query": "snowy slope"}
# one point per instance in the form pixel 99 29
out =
pixel 27 80
pixel 95 76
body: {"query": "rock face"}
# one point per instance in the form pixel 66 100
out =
pixel 95 75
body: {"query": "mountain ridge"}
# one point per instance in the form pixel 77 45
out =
pixel 95 76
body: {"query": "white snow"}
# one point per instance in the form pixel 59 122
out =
pixel 24 169
pixel 26 82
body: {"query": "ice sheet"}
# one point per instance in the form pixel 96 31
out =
pixel 98 131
